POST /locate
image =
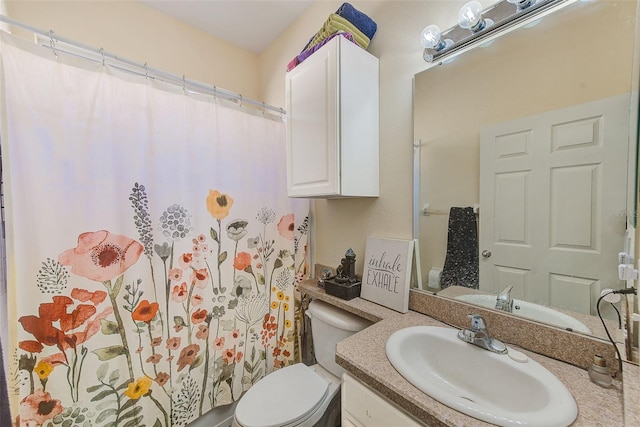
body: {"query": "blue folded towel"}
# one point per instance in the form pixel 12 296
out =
pixel 358 19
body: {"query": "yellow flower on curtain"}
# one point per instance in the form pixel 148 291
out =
pixel 218 204
pixel 138 388
pixel 43 370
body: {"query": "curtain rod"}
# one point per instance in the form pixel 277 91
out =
pixel 99 55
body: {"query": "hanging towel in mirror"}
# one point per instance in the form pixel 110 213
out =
pixel 461 261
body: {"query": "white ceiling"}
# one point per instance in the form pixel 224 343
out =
pixel 249 24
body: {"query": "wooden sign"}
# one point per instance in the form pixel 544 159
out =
pixel 387 272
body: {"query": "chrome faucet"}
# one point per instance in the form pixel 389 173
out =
pixel 479 335
pixel 504 301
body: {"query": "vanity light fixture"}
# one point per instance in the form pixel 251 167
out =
pixel 475 24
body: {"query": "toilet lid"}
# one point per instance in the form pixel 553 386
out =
pixel 282 397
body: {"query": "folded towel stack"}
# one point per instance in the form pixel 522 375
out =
pixel 336 23
pixel 347 21
pixel 359 19
pixel 307 53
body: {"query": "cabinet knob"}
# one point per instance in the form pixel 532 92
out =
pixel 486 254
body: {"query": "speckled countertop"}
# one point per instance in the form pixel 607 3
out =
pixel 363 355
pixel 631 389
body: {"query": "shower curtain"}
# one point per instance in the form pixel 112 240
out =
pixel 153 254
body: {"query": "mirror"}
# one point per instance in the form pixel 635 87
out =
pixel 537 128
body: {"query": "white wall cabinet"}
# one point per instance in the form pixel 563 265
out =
pixel 363 407
pixel 332 101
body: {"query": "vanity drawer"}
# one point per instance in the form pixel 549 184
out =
pixel 363 407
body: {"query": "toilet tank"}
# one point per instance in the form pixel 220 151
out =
pixel 330 325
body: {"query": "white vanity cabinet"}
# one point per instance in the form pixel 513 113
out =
pixel 332 101
pixel 363 407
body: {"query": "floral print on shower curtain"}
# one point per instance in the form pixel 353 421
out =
pixel 153 252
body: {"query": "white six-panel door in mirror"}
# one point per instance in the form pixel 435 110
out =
pixel 543 218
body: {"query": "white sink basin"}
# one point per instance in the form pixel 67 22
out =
pixel 531 311
pixel 488 386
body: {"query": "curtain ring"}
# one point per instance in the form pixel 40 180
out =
pixel 146 71
pixel 52 43
pixel 184 84
pixel 240 100
pixel 102 53
pixel 215 93
pixel 264 108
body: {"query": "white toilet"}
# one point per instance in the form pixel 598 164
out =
pixel 301 395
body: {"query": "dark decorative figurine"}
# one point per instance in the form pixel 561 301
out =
pixel 346 271
pixel 344 284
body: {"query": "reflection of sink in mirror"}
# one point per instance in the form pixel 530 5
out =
pixel 488 386
pixel 530 311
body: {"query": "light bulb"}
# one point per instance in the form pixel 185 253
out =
pixel 430 38
pixel 470 16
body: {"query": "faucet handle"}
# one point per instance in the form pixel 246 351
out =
pixel 507 290
pixel 477 322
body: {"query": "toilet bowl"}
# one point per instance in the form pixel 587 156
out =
pixel 300 395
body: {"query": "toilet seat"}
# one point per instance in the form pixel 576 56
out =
pixel 296 391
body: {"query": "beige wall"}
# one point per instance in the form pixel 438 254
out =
pixel 139 33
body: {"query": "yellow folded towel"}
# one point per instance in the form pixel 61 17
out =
pixel 337 23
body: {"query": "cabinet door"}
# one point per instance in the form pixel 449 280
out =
pixel 312 125
pixel 362 407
